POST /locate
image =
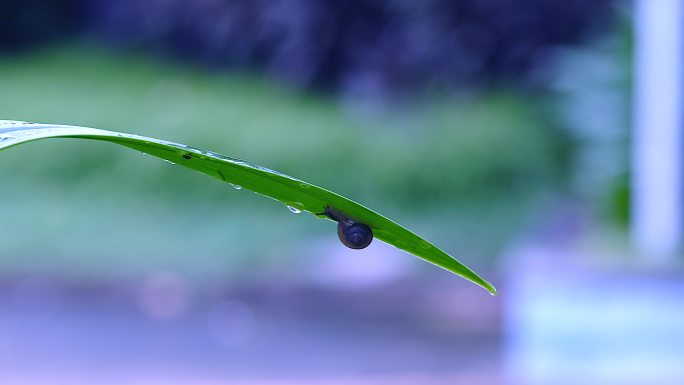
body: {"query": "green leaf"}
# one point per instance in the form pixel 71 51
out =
pixel 293 192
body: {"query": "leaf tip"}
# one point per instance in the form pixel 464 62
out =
pixel 490 288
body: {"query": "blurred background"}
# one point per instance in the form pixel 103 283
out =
pixel 537 141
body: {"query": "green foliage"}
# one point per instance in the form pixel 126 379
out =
pixel 469 171
pixel 296 194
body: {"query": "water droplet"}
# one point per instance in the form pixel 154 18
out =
pixel 236 186
pixel 294 209
pixel 187 156
pixel 7 137
pixel 168 161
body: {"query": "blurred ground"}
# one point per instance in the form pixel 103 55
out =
pixel 163 331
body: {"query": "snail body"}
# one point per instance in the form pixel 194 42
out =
pixel 352 234
pixel 355 235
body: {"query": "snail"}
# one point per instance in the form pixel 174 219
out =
pixel 352 234
pixel 355 235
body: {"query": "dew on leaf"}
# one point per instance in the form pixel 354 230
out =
pixel 7 137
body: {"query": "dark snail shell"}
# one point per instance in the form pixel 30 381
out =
pixel 354 235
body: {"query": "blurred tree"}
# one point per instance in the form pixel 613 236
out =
pixel 360 46
pixel 24 23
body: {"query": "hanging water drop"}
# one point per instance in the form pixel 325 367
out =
pixel 168 161
pixel 236 186
pixel 294 209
